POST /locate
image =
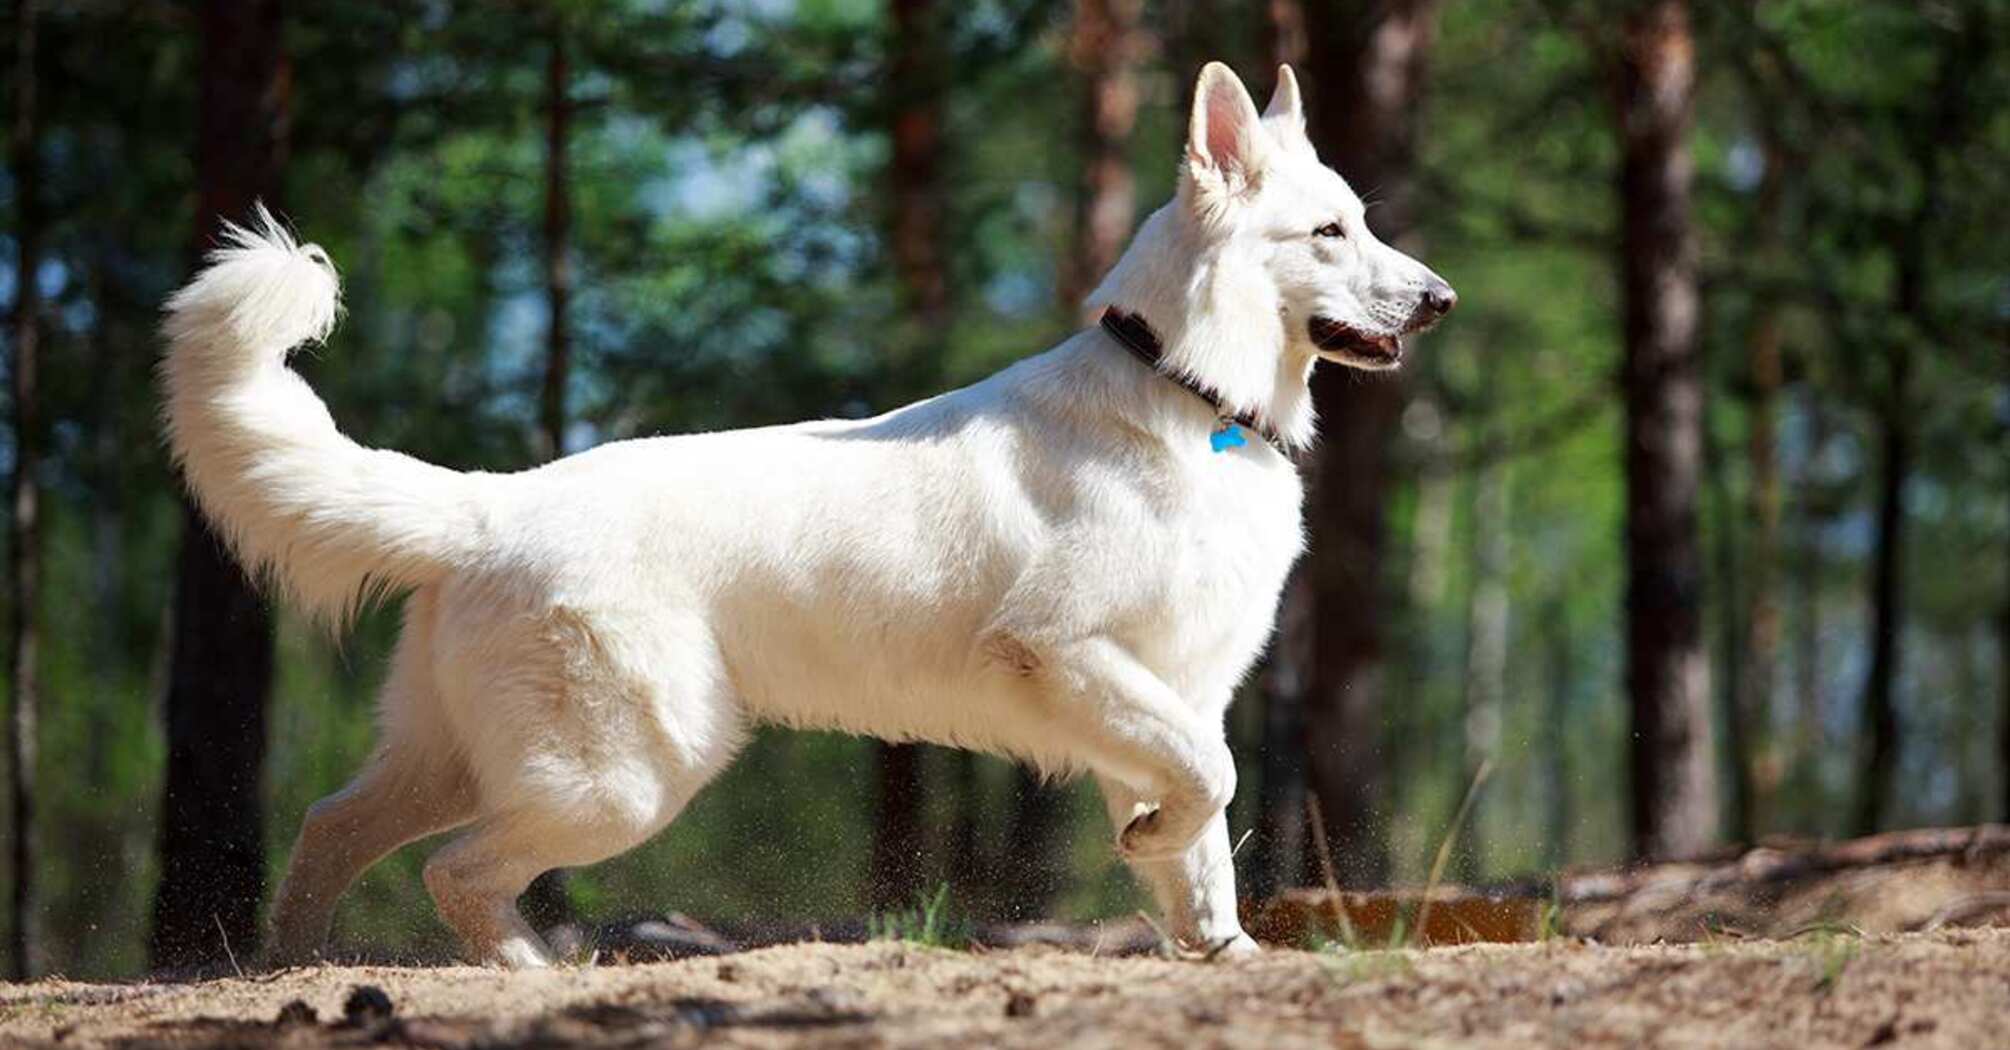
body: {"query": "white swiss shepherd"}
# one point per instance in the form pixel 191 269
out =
pixel 1053 564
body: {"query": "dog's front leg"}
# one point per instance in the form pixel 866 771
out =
pixel 1126 724
pixel 1196 890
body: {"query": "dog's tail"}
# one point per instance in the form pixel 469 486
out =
pixel 334 524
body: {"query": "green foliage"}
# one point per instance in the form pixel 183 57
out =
pixel 1828 952
pixel 931 923
pixel 728 206
pixel 1549 923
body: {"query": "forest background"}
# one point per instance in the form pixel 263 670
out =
pixel 1692 525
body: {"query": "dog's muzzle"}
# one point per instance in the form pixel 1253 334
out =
pixel 1354 346
pixel 1376 350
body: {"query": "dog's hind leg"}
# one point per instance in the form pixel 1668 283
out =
pixel 403 796
pixel 415 785
pixel 589 744
pixel 476 879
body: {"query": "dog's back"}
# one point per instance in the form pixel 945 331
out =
pixel 1074 561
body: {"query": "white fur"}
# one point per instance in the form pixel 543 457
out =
pixel 1050 564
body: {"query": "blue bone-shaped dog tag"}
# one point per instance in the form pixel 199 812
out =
pixel 1226 436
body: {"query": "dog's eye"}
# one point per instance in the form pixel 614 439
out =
pixel 1331 229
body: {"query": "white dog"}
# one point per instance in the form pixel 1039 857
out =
pixel 1072 562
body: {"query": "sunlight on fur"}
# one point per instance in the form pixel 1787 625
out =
pixel 1055 563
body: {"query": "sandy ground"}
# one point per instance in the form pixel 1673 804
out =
pixel 1949 988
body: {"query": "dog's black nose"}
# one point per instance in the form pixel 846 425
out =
pixel 1439 297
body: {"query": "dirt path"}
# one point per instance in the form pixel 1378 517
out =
pixel 1947 989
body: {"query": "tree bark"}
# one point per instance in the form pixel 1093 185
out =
pixel 970 869
pixel 1880 707
pixel 1673 761
pixel 547 901
pixel 920 205
pixel 1365 77
pixel 1277 854
pixel 220 676
pixel 1037 870
pixel 24 549
pixel 1284 32
pixel 914 112
pixel 895 876
pixel 1880 710
pixel 1756 764
pixel 1486 642
pixel 557 242
pixel 1726 674
pixel 1942 132
pixel 1555 741
pixel 2003 692
pixel 1810 515
pixel 1103 47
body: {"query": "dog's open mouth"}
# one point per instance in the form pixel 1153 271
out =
pixel 1354 346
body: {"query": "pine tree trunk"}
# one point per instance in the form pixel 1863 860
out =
pixel 1910 302
pixel 1284 32
pixel 547 902
pixel 1486 644
pixel 1887 607
pixel 1756 763
pixel 1424 554
pixel 895 875
pixel 1037 868
pixel 1809 707
pixel 24 549
pixel 1365 77
pixel 1555 740
pixel 1673 759
pixel 2003 696
pixel 557 242
pixel 1727 673
pixel 1971 761
pixel 1277 854
pixel 970 870
pixel 1103 46
pixel 920 200
pixel 914 108
pixel 1931 140
pixel 212 846
pixel 1278 851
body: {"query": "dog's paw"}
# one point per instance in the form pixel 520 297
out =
pixel 1240 946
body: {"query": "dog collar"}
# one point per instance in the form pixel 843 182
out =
pixel 1134 334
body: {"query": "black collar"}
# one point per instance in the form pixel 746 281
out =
pixel 1134 334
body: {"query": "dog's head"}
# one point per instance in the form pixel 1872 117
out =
pixel 1255 187
pixel 1262 264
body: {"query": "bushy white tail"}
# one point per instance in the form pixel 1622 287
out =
pixel 332 522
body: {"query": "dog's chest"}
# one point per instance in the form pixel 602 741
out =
pixel 1228 553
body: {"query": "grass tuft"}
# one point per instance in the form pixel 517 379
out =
pixel 1549 924
pixel 931 923
pixel 1355 966
pixel 1830 948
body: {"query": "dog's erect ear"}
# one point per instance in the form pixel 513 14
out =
pixel 1284 118
pixel 1225 138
